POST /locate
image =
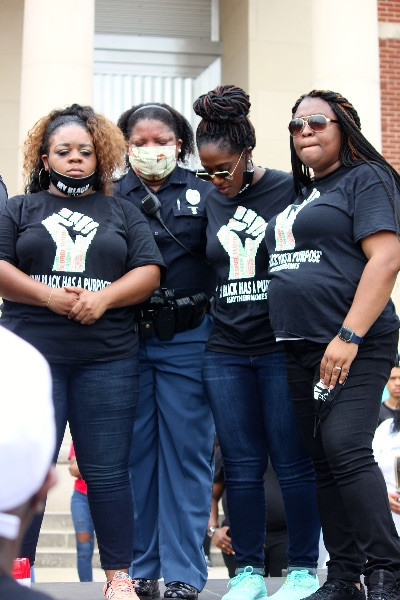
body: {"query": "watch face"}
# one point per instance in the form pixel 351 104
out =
pixel 346 334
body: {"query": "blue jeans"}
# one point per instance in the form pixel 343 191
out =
pixel 83 524
pixel 99 399
pixel 254 420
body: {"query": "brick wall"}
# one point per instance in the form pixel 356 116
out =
pixel 389 49
pixel 389 11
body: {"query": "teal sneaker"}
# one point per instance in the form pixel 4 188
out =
pixel 299 584
pixel 246 585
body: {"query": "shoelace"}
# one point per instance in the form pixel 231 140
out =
pixel 245 579
pixel 122 586
pixel 296 577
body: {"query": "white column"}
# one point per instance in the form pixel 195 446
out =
pixel 345 57
pixel 57 57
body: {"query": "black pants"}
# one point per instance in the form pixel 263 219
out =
pixel 357 525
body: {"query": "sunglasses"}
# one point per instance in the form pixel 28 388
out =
pixel 221 174
pixel 317 123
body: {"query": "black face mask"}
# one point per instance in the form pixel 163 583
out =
pixel 247 178
pixel 71 186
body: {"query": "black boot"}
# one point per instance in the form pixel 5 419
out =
pixel 181 591
pixel 338 589
pixel 382 585
pixel 147 589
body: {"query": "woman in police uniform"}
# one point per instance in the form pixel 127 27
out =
pixel 173 437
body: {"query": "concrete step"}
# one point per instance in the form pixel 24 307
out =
pixel 60 558
pixel 55 538
pixel 57 520
pixel 56 546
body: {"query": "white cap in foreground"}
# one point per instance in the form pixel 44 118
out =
pixel 27 428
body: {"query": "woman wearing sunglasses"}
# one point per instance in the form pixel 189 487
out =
pixel 333 259
pixel 244 368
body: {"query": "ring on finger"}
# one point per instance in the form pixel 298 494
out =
pixel 338 368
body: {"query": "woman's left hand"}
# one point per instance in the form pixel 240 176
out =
pixel 89 308
pixel 335 363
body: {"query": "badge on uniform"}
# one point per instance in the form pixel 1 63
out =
pixel 193 198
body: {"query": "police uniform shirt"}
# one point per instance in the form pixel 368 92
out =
pixel 183 210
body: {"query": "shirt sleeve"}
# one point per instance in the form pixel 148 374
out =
pixel 373 210
pixel 9 224
pixel 3 195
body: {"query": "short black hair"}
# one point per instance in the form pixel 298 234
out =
pixel 167 115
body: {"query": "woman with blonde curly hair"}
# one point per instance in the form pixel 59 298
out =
pixel 73 261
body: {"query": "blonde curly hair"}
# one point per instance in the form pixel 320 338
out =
pixel 108 141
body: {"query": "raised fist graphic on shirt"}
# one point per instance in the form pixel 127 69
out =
pixel 242 257
pixel 72 233
pixel 284 238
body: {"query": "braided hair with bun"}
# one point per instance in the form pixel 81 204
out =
pixel 224 119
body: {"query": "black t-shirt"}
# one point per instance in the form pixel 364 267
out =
pixel 3 195
pixel 12 590
pixel 235 248
pixel 183 210
pixel 315 256
pixel 386 412
pixel 89 241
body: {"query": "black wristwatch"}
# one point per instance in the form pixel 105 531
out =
pixel 210 530
pixel 348 335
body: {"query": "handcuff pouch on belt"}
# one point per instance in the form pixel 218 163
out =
pixel 164 315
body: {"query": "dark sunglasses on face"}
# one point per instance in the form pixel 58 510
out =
pixel 221 174
pixel 317 123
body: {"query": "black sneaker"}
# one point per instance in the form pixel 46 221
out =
pixel 382 585
pixel 338 589
pixel 147 589
pixel 180 590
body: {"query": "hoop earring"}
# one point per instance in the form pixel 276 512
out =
pixel 40 183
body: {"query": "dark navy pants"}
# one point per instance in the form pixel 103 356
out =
pixel 357 524
pixel 171 460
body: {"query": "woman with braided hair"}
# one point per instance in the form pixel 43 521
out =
pixel 244 368
pixel 334 255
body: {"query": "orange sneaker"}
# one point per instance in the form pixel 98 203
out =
pixel 121 587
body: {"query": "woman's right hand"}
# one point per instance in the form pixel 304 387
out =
pixel 222 540
pixel 62 301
